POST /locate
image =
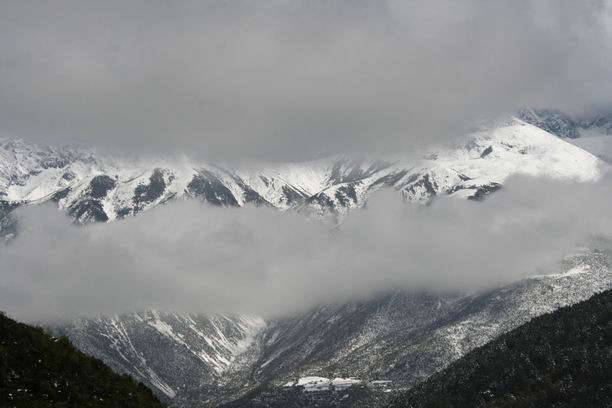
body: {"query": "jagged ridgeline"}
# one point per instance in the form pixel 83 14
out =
pixel 92 187
pixel 562 359
pixel 37 370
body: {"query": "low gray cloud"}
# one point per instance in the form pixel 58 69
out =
pixel 290 79
pixel 188 256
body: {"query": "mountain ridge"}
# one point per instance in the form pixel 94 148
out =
pixel 559 359
pixel 335 340
pixel 401 337
pixel 92 188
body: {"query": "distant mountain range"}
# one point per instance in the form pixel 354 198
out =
pixel 380 346
pixel 93 187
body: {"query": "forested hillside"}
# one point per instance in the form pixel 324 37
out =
pixel 37 370
pixel 562 359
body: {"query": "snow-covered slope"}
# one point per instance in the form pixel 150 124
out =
pixel 397 339
pixel 91 187
pixel 401 338
pixel 168 351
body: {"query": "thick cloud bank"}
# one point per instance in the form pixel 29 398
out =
pixel 290 79
pixel 191 257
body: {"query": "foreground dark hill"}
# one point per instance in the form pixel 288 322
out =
pixel 562 359
pixel 37 370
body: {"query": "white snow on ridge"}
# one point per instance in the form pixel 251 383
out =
pixel 32 174
pixel 221 351
pixel 519 148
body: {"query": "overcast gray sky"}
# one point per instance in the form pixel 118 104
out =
pixel 290 79
pixel 187 256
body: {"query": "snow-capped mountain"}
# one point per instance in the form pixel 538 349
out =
pixel 92 187
pixel 401 337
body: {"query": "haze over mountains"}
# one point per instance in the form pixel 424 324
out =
pixel 394 339
pixel 300 202
pixel 89 189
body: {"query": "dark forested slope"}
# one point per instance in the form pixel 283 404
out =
pixel 562 359
pixel 37 370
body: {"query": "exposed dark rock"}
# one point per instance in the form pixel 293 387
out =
pixel 294 197
pixel 87 210
pixel 486 152
pixel 124 212
pixel 346 195
pixel 418 182
pixel 209 188
pixel 252 197
pixel 100 185
pixel 322 200
pixel 8 224
pixel 60 194
pixel 484 191
pixel 68 175
pixel 147 193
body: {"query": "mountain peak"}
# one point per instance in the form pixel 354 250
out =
pixel 93 187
